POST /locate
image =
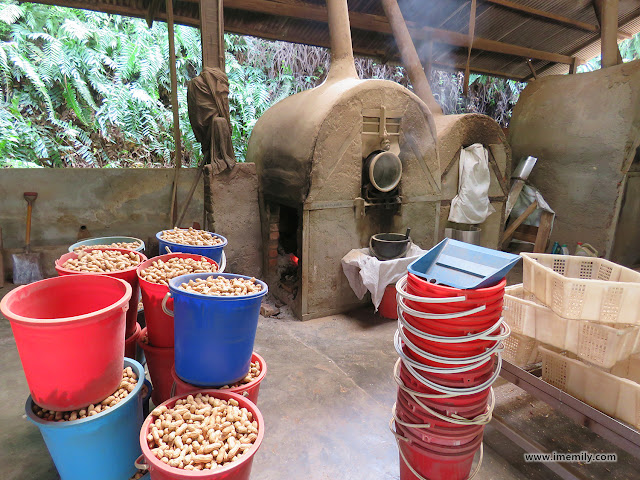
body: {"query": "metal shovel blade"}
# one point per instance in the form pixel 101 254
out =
pixel 27 268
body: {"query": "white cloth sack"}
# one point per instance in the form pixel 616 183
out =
pixel 528 194
pixel 367 273
pixel 472 205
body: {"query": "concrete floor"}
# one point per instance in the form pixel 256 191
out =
pixel 326 401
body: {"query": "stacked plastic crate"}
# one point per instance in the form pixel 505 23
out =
pixel 581 315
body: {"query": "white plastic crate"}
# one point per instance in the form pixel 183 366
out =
pixel 617 396
pixel 601 345
pixel 521 350
pixel 584 288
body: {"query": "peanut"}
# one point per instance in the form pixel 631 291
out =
pixel 190 236
pixel 102 261
pixel 125 245
pixel 161 272
pixel 129 380
pixel 202 440
pixel 221 286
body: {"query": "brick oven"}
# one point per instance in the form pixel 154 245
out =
pixel 337 164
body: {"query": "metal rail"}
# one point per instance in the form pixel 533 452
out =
pixel 618 433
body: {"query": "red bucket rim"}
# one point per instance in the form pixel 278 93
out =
pixel 405 400
pixel 444 291
pixel 441 450
pixel 245 386
pixel 122 302
pixel 72 255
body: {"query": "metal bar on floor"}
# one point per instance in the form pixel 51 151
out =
pixel 618 433
pixel 564 471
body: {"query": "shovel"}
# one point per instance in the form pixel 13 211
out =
pixel 27 266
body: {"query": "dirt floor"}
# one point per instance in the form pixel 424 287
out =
pixel 327 401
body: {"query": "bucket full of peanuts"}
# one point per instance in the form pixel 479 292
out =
pixel 173 449
pixel 154 275
pixel 248 387
pixel 216 318
pixel 114 262
pixel 190 240
pixel 99 441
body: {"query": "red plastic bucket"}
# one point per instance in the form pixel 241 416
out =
pixel 69 332
pixel 453 327
pixel 388 307
pixel 248 390
pixel 159 324
pixel 128 275
pixel 435 435
pixel 475 297
pixel 433 461
pixel 408 404
pixel 159 362
pixel 131 343
pixel 240 470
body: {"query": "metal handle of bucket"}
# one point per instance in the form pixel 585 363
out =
pixel 413 470
pixel 484 335
pixel 402 306
pixel 223 263
pixel 166 247
pixel 141 463
pixel 401 290
pixel 425 368
pixel 455 391
pixel 402 386
pixel 478 360
pixel 164 304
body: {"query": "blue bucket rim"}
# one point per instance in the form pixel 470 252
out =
pixel 113 237
pixel 173 288
pixel 128 362
pixel 224 243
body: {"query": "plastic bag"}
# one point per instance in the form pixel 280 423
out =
pixel 472 204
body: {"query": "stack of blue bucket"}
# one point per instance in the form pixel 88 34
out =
pixel 213 335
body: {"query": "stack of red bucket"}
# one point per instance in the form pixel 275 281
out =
pixel 449 343
pixel 157 338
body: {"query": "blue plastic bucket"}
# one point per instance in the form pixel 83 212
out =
pixel 101 447
pixel 214 335
pixel 213 252
pixel 107 241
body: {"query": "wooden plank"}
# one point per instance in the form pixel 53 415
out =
pixel 533 70
pixel 544 232
pixel 526 233
pixel 154 6
pixel 573 68
pixel 508 233
pixel 496 171
pixel 450 165
pixel 173 214
pixel 212 32
pixel 472 32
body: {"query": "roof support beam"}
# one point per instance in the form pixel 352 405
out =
pixel 154 6
pixel 378 23
pixel 472 33
pixel 212 32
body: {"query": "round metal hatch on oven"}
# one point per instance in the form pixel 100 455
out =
pixel 384 170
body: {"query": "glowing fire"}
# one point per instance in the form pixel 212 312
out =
pixel 293 259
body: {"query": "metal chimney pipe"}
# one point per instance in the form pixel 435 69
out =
pixel 342 63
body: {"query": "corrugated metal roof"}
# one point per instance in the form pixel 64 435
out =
pixel 275 19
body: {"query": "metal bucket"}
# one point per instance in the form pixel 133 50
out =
pixel 464 233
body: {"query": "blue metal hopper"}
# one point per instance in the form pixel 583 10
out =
pixel 463 265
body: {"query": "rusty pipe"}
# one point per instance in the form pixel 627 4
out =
pixel 409 55
pixel 342 62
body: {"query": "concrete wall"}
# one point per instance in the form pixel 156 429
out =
pixel 584 129
pixel 130 202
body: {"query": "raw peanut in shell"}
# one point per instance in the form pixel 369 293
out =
pixel 102 261
pixel 191 236
pixel 161 272
pixel 221 286
pixel 202 441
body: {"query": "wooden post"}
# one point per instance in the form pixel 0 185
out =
pixel 212 32
pixel 573 68
pixel 472 33
pixel 428 58
pixel 409 55
pixel 533 70
pixel 176 113
pixel 607 14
